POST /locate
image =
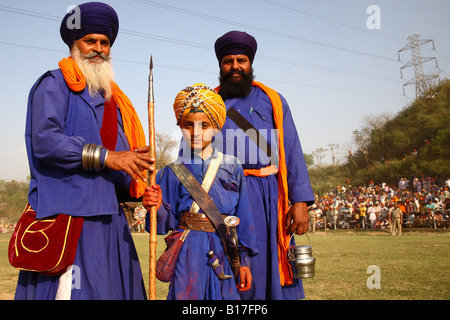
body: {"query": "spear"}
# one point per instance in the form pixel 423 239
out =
pixel 151 181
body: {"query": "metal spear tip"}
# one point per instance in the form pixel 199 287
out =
pixel 151 62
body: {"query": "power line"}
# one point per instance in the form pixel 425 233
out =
pixel 267 58
pixel 330 69
pixel 209 72
pixel 208 47
pixel 29 13
pixel 442 56
pixel 280 34
pixel 115 59
pixel 31 47
pixel 332 21
pixel 332 88
pixel 165 39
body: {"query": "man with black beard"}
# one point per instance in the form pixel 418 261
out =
pixel 277 178
pixel 235 83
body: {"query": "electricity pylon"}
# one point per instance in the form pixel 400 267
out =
pixel 422 81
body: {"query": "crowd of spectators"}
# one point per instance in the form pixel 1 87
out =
pixel 6 226
pixel 135 214
pixel 139 217
pixel 424 202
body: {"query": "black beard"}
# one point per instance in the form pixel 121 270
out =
pixel 232 89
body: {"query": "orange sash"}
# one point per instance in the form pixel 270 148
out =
pixel 132 125
pixel 263 172
pixel 283 202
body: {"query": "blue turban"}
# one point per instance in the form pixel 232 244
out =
pixel 87 18
pixel 235 42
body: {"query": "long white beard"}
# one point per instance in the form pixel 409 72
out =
pixel 98 74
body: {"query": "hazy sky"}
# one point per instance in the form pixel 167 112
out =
pixel 320 55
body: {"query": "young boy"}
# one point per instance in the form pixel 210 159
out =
pixel 200 113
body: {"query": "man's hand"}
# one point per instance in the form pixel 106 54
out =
pixel 152 197
pixel 132 162
pixel 245 277
pixel 297 218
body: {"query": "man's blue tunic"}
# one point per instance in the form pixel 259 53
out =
pixel 257 109
pixel 59 123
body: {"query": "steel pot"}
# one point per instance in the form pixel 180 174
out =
pixel 301 261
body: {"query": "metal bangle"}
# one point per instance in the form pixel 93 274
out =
pixel 84 157
pixel 90 157
pixel 104 160
pixel 96 158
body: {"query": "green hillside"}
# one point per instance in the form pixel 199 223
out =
pixel 415 142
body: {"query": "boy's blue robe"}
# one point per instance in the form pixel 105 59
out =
pixel 194 278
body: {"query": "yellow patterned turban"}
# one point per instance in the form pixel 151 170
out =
pixel 200 97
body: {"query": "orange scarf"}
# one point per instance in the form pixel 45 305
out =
pixel 283 202
pixel 132 125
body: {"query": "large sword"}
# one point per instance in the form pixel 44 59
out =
pixel 152 181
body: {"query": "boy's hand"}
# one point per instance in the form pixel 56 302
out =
pixel 152 197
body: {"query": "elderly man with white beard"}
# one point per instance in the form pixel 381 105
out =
pixel 87 153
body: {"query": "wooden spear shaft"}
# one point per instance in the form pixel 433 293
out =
pixel 151 181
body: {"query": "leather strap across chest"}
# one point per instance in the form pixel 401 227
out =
pixel 201 197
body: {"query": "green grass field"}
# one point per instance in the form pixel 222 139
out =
pixel 413 266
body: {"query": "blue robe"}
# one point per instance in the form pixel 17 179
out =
pixel 257 109
pixel 59 123
pixel 194 278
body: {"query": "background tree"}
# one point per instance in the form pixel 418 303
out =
pixel 309 160
pixel 165 146
pixel 413 142
pixel 376 125
pixel 333 150
pixel 362 140
pixel 318 154
pixel 13 198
